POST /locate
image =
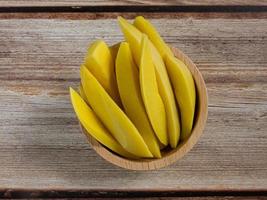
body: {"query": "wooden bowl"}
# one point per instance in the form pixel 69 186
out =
pixel 169 156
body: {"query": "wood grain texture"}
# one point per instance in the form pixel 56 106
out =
pixel 43 148
pixel 128 3
pixel 114 15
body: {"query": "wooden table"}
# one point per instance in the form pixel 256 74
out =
pixel 43 153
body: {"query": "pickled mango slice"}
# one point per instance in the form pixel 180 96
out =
pixel 93 125
pixel 100 63
pixel 149 90
pixel 119 125
pixel 185 92
pixel 146 27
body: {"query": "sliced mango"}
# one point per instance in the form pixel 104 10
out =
pixel 185 93
pixel 133 37
pixel 100 63
pixel 112 116
pixel 146 27
pixel 149 90
pixel 129 88
pixel 93 125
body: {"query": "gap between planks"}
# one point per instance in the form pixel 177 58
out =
pixel 144 194
pixel 133 9
pixel 9 3
pixel 113 15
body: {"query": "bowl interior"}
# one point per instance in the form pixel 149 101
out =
pixel 168 155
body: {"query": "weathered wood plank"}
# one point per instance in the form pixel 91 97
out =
pixel 41 146
pixel 128 3
pixel 131 15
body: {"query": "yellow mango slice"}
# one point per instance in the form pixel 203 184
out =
pixel 133 36
pixel 112 116
pixel 129 88
pixel 149 90
pixel 100 63
pixel 185 92
pixel 93 125
pixel 146 27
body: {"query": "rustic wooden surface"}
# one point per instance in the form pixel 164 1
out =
pixel 129 3
pixel 41 146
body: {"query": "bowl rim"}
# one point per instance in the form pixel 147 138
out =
pixel 182 148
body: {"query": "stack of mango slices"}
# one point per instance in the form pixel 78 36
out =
pixel 135 98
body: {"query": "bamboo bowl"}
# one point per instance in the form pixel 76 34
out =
pixel 169 156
